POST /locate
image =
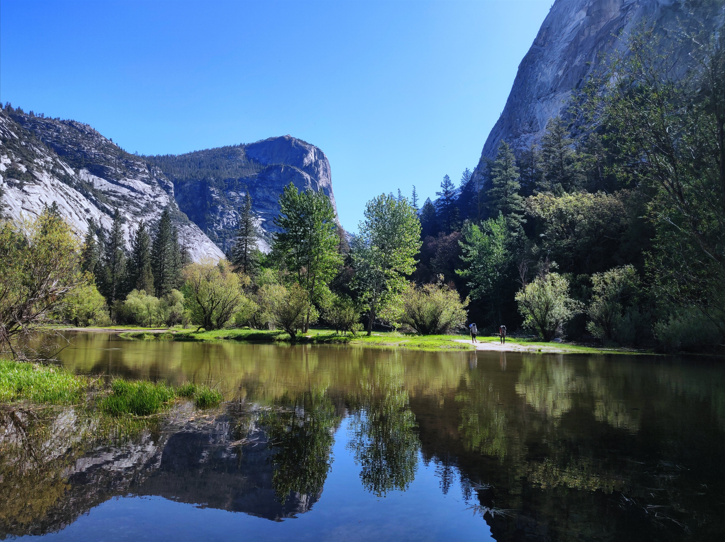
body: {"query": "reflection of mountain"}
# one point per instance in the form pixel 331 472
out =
pixel 224 462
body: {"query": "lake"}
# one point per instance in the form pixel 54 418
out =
pixel 330 443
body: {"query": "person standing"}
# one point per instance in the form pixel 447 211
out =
pixel 474 332
pixel 502 333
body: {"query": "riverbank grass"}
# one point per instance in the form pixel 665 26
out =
pixel 21 381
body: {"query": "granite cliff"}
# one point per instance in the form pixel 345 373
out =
pixel 44 160
pixel 573 43
pixel 210 185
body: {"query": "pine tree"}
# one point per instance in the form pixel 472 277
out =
pixel 447 209
pixel 244 255
pixel 559 163
pixel 428 220
pixel 468 196
pixel 114 262
pixel 529 170
pixel 140 274
pixel 165 256
pixel 2 202
pixel 503 193
pixel 91 253
pixel 414 201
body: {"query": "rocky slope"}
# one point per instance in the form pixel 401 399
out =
pixel 573 42
pixel 210 185
pixel 43 160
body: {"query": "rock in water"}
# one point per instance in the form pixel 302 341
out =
pixel 575 39
pixel 44 160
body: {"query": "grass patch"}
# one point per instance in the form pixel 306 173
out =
pixel 40 383
pixel 138 398
pixel 206 397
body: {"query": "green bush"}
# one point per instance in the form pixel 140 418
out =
pixel 686 330
pixel 434 309
pixel 247 312
pixel 142 309
pixel 85 306
pixel 613 312
pixel 171 308
pixel 138 398
pixel 546 306
pixel 342 315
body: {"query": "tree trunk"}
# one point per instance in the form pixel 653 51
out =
pixel 371 319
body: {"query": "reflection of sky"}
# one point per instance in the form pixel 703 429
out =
pixel 345 511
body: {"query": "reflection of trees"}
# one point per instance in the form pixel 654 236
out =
pixel 383 434
pixel 484 424
pixel 301 440
pixel 547 385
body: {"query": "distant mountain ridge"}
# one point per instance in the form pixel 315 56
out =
pixel 44 160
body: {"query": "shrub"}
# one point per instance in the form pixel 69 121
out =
pixel 545 305
pixel 248 310
pixel 434 309
pixel 342 315
pixel 213 294
pixel 686 330
pixel 138 398
pixel 171 308
pixel 288 307
pixel 85 306
pixel 142 309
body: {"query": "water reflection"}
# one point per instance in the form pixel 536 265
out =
pixel 541 447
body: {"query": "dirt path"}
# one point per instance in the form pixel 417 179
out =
pixel 496 346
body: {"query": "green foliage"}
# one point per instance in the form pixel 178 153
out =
pixel 428 219
pixel 503 191
pixel 687 330
pixel 21 381
pixel 85 306
pixel 384 253
pixel 613 292
pixel 546 306
pixel 166 256
pixel 39 268
pixel 137 398
pixel 206 397
pixel 212 293
pixel 290 308
pixel 247 313
pixel 434 309
pixel 245 254
pixel 113 275
pixel 448 216
pixel 142 309
pixel 307 245
pixel 559 163
pixel 172 309
pixel 140 274
pixel 342 314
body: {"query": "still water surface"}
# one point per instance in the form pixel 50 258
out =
pixel 330 443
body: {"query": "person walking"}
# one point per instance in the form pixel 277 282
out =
pixel 474 332
pixel 502 333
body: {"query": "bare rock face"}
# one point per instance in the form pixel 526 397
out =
pixel 211 185
pixel 574 41
pixel 45 160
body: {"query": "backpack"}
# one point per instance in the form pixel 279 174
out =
pixel 474 329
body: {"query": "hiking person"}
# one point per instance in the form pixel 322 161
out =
pixel 474 332
pixel 502 333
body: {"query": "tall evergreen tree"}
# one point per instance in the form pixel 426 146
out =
pixel 140 274
pixel 529 170
pixel 503 192
pixel 308 241
pixel 92 251
pixel 447 209
pixel 559 162
pixel 245 255
pixel 468 196
pixel 2 202
pixel 428 220
pixel 114 262
pixel 165 256
pixel 414 200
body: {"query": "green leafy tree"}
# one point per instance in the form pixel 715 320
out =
pixel 308 241
pixel 290 308
pixel 140 274
pixel 612 293
pixel 384 253
pixel 245 254
pixel 85 306
pixel 212 293
pixel 342 314
pixel 142 309
pixel 39 268
pixel 486 255
pixel 546 306
pixel 503 192
pixel 560 168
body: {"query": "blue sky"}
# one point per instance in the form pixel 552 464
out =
pixel 395 93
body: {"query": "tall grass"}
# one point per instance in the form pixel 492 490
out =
pixel 138 398
pixel 39 383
